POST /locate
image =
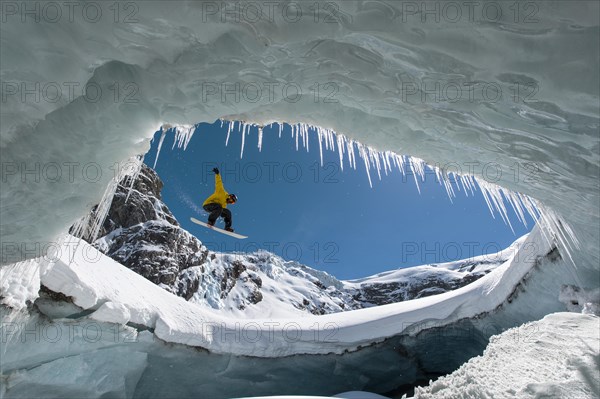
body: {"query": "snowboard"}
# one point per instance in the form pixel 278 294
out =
pixel 229 233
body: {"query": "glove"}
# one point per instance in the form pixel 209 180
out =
pixel 216 170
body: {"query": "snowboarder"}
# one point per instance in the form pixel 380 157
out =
pixel 216 204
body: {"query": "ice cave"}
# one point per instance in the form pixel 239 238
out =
pixel 476 91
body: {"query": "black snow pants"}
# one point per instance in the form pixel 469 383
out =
pixel 214 211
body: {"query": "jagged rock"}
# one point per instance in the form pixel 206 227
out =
pixel 141 233
pixel 187 286
pixel 255 297
pixel 55 296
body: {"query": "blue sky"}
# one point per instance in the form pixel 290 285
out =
pixel 323 217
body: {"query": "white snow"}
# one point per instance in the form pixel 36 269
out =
pixel 556 357
pixel 94 280
pixel 19 283
pixel 578 300
pixel 112 312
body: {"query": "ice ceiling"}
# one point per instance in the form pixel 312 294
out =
pixel 507 92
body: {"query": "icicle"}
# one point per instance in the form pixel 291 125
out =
pixel 560 230
pixel 260 137
pixel 332 139
pixel 375 158
pixel 352 155
pixel 443 181
pixel 320 137
pixel 307 146
pixel 329 137
pixel 304 132
pixel 295 135
pixel 340 147
pixel 243 141
pixel 468 183
pixel 487 201
pixel 388 162
pixel 229 128
pixel 89 226
pixel 136 168
pixel 399 162
pixel 183 135
pixel 515 203
pixel 412 168
pixel 163 133
pixel 363 155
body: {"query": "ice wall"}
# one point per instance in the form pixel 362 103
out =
pixel 507 94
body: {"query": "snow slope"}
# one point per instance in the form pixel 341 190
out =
pixel 120 295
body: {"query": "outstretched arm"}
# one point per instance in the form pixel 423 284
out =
pixel 218 182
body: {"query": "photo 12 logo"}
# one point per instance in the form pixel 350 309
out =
pixel 54 12
pixel 55 92
pixel 270 331
pixel 452 12
pixel 272 172
pixel 68 332
pixel 267 92
pixel 253 12
pixel 315 252
pixel 431 91
pixel 13 252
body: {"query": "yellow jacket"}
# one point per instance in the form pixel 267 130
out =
pixel 220 195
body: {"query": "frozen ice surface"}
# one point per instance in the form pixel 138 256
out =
pixel 77 376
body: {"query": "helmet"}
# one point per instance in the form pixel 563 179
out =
pixel 232 198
